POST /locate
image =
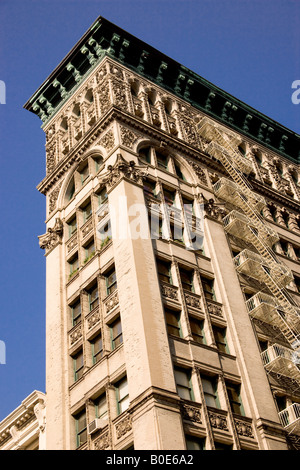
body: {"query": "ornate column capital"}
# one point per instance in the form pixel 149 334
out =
pixel 52 237
pixel 122 169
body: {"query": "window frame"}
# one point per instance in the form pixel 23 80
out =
pixel 97 356
pixel 119 334
pixel 119 400
pixel 81 431
pixel 188 375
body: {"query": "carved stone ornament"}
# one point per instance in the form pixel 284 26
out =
pixel 102 442
pixel 127 137
pixel 123 169
pixel 53 197
pixel 191 413
pixel 243 428
pixel 40 413
pixel 199 172
pixel 218 421
pixel 169 291
pixel 93 319
pixel 52 237
pixel 212 209
pixel 214 309
pixel 123 427
pixel 108 140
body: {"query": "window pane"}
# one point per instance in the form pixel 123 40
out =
pixel 197 330
pixel 101 407
pixel 164 272
pixel 76 313
pixel 210 395
pixel 116 333
pixel 193 443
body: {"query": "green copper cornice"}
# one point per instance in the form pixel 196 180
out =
pixel 105 39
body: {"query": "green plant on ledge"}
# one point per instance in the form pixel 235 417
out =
pixel 89 257
pixel 105 242
pixel 72 273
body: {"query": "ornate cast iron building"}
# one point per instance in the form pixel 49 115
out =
pixel 188 338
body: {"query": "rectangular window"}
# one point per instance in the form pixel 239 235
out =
pixel 78 365
pixel 183 384
pixel 173 322
pixel 169 196
pixel 93 295
pixel 187 279
pixel 81 429
pixel 164 271
pixel 208 288
pixel 97 348
pixel 72 225
pixel 220 338
pixel 162 160
pixel 98 163
pixel 209 385
pixel 197 330
pixel 116 333
pixel 188 205
pixel 84 174
pixel 194 443
pixel 76 312
pixel 101 407
pixel 145 154
pixel 73 265
pixel 149 188
pixel 89 251
pixel 87 212
pixel 102 197
pixel 234 396
pixel 111 282
pixel 122 396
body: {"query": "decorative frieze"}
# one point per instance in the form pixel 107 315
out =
pixel 52 237
pixel 218 421
pixel 108 140
pixel 191 413
pixel 199 171
pixel 93 318
pixel 119 95
pixel 168 291
pixel 192 300
pixel 53 196
pixel 214 309
pixel 102 442
pixel 243 428
pixel 87 228
pixel 111 302
pixel 75 335
pixel 128 138
pixel 124 426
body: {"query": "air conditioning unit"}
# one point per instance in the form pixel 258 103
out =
pixel 96 425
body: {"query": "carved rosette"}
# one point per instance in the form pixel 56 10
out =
pixel 103 442
pixel 124 426
pixel 123 169
pixel 52 237
pixel 191 413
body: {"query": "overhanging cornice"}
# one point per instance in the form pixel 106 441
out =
pixel 106 39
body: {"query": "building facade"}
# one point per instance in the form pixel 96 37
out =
pixel 172 257
pixel 25 427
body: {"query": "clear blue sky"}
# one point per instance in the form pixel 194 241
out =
pixel 248 48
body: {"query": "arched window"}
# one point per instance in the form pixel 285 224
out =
pixel 179 172
pixel 70 190
pixel 89 96
pixel 286 218
pixel 64 124
pixel 145 154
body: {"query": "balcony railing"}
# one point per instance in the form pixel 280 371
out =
pixel 265 307
pixel 282 360
pixel 231 192
pixel 290 418
pixel 233 155
pixel 240 226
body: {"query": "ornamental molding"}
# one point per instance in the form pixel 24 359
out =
pixel 191 413
pixel 40 413
pixel 128 137
pixel 123 427
pixel 218 421
pixel 108 140
pixel 123 170
pixel 199 171
pixel 53 196
pixel 243 428
pixel 103 442
pixel 52 237
pixel 212 209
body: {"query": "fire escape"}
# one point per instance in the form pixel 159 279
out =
pixel 277 308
